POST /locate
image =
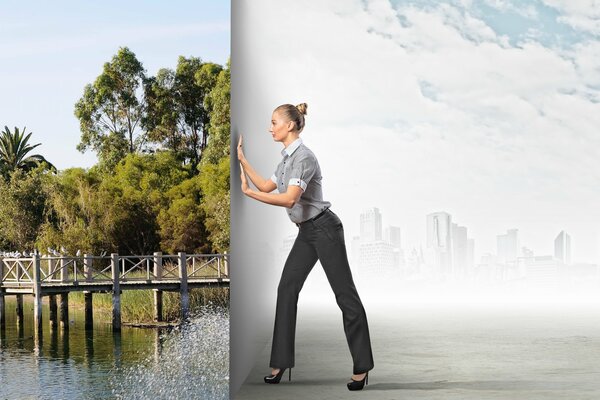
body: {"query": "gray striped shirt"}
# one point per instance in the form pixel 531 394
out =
pixel 300 167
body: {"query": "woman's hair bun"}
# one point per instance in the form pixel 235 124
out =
pixel 302 108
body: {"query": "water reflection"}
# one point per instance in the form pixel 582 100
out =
pixel 96 364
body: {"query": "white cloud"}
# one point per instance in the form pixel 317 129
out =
pixel 583 15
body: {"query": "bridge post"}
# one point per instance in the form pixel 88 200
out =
pixel 225 264
pixel 183 286
pixel 64 297
pixel 2 298
pixel 53 311
pixel 37 293
pixel 20 310
pixel 158 294
pixel 2 310
pixel 87 295
pixel 64 273
pixel 116 293
pixel 64 310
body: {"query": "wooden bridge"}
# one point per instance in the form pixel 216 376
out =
pixel 58 276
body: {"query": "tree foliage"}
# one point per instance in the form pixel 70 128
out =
pixel 214 169
pixel 77 217
pixel 182 223
pixel 176 116
pixel 173 198
pixel 14 152
pixel 111 109
pixel 23 208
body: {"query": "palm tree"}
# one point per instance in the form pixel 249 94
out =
pixel 14 149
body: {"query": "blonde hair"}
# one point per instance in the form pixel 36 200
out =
pixel 294 113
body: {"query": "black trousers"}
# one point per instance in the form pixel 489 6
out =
pixel 320 239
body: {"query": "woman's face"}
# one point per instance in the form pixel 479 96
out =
pixel 280 127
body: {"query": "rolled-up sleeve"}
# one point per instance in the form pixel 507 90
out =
pixel 274 178
pixel 302 172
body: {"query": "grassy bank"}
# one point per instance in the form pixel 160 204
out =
pixel 137 305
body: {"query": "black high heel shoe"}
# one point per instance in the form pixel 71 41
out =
pixel 277 378
pixel 358 385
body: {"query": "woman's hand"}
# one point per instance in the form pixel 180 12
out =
pixel 245 188
pixel 240 151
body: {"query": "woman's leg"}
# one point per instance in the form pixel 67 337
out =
pixel 299 263
pixel 331 250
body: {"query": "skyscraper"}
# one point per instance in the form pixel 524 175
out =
pixel 370 225
pixel 470 256
pixel 439 242
pixel 459 249
pixel 393 235
pixel 376 256
pixel 508 246
pixel 562 247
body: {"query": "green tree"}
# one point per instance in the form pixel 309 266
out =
pixel 214 182
pixel 217 103
pixel 162 119
pixel 112 210
pixel 134 197
pixel 214 168
pixel 182 222
pixel 22 209
pixel 176 114
pixel 14 152
pixel 111 109
pixel 76 215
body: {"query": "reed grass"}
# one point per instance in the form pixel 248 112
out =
pixel 137 306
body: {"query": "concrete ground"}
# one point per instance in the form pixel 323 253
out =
pixel 454 352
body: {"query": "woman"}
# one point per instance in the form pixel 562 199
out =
pixel 320 237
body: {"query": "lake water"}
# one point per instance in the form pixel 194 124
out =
pixel 191 361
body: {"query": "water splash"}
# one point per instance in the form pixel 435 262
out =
pixel 193 362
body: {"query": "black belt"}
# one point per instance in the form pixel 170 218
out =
pixel 313 218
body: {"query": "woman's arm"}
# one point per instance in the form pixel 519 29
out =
pixel 262 184
pixel 286 199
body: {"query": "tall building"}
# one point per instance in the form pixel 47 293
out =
pixel 508 246
pixel 562 247
pixel 470 256
pixel 439 243
pixel 543 271
pixel 393 236
pixel 376 258
pixel 370 225
pixel 459 249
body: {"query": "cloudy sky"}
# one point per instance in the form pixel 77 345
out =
pixel 50 50
pixel 487 110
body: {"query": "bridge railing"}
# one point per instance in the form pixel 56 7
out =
pixel 101 269
pixel 17 270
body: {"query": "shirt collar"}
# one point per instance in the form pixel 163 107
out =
pixel 291 147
